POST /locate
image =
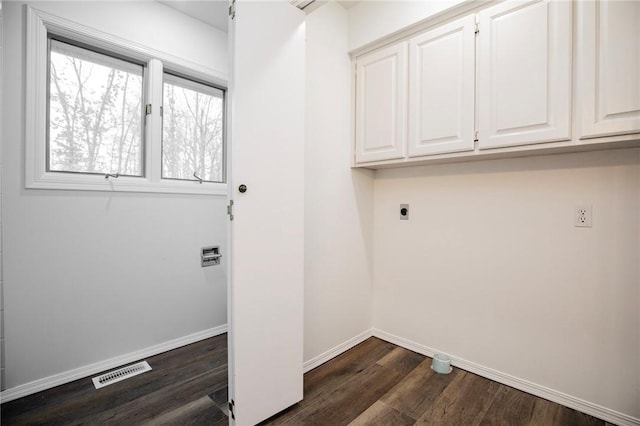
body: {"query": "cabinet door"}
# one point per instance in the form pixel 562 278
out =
pixel 381 104
pixel 441 89
pixel 524 73
pixel 608 68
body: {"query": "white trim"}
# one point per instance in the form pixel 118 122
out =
pixel 553 395
pixel 66 181
pixel 35 111
pixel 39 24
pixel 334 352
pixel 2 101
pixel 98 367
pixel 127 48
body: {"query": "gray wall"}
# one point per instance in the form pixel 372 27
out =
pixel 90 276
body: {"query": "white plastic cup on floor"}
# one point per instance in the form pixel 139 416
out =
pixel 441 364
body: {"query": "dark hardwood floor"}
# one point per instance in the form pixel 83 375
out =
pixel 378 383
pixel 186 386
pixel 375 383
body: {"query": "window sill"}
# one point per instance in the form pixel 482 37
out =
pixel 73 182
pixel 39 25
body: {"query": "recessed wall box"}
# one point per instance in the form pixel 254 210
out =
pixel 404 211
pixel 210 256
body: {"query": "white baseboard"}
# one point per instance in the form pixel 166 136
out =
pixel 334 352
pixel 98 367
pixel 581 405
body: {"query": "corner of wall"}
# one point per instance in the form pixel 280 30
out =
pixel 338 199
pixel 519 278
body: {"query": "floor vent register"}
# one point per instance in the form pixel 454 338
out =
pixel 120 374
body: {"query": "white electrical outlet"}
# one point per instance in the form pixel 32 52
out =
pixel 583 216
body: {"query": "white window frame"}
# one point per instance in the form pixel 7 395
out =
pixel 39 25
pixel 192 84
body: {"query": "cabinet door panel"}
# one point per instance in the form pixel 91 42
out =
pixel 524 73
pixel 441 89
pixel 609 68
pixel 381 104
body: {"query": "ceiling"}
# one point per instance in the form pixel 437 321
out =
pixel 348 4
pixel 215 12
pixel 211 12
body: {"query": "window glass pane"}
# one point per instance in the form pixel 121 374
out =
pixel 192 130
pixel 95 112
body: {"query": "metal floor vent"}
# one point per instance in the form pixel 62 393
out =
pixel 121 374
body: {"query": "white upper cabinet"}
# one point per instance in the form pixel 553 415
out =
pixel 524 73
pixel 381 98
pixel 441 89
pixel 608 68
pixel 513 81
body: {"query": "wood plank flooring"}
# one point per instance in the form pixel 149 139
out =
pixel 378 383
pixel 375 383
pixel 176 391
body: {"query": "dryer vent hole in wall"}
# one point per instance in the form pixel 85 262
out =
pixel 210 256
pixel 121 374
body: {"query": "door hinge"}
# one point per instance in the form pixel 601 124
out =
pixel 232 9
pixel 477 27
pixel 230 209
pixel 147 109
pixel 475 136
pixel 232 409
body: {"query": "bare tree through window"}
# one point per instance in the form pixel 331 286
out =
pixel 95 112
pixel 192 133
pixel 95 118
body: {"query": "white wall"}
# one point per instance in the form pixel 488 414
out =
pixel 371 20
pixel 490 268
pixel 338 200
pixel 92 275
pixel 150 24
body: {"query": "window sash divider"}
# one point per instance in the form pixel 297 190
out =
pixel 43 28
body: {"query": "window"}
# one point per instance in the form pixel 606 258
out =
pixel 192 130
pixel 95 113
pixel 104 114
